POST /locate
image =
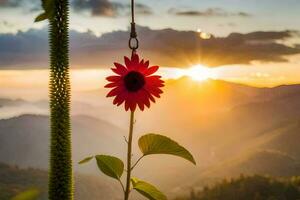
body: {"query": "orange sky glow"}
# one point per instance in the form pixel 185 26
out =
pixel 269 75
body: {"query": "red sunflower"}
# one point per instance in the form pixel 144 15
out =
pixel 134 83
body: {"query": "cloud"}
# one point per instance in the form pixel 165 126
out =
pixel 9 3
pixel 97 7
pixel 26 5
pixel 5 24
pixel 108 8
pixel 143 9
pixel 263 35
pixel 166 47
pixel 210 12
pixel 240 48
pixel 105 8
pixel 24 49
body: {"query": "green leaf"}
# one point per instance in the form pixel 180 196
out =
pixel 48 6
pixel 147 190
pixel 111 166
pixel 87 159
pixel 159 144
pixel 41 17
pixel 31 194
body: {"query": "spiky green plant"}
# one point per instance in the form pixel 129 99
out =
pixel 60 175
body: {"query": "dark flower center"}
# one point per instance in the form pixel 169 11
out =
pixel 134 81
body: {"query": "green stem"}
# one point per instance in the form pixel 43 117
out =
pixel 129 154
pixel 122 185
pixel 135 164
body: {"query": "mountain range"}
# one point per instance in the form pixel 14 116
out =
pixel 229 128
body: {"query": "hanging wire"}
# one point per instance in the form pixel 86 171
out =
pixel 132 11
pixel 133 41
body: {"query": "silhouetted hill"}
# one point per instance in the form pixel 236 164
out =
pixel 266 162
pixel 286 139
pixel 15 180
pixel 244 124
pixel 24 140
pixel 11 102
pixel 229 128
pixel 249 188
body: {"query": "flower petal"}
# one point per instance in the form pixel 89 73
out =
pixel 127 105
pixel 118 100
pixel 127 62
pixel 121 70
pixel 147 102
pixel 123 96
pixel 133 107
pixel 113 78
pixel 151 70
pixel 154 81
pixel 140 99
pixel 135 59
pixel 146 64
pixel 133 100
pixel 154 90
pixel 111 85
pixel 150 97
pixel 141 106
pixel 116 71
pixel 115 91
pixel 143 67
pixel 142 62
pixel 145 97
pixel 128 101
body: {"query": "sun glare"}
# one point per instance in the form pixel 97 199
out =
pixel 199 73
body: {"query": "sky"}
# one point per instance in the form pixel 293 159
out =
pixel 216 16
pixel 255 42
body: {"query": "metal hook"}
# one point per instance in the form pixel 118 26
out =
pixel 133 43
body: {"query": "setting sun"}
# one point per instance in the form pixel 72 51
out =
pixel 199 73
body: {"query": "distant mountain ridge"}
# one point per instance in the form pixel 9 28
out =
pixel 15 180
pixel 24 140
pixel 229 128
